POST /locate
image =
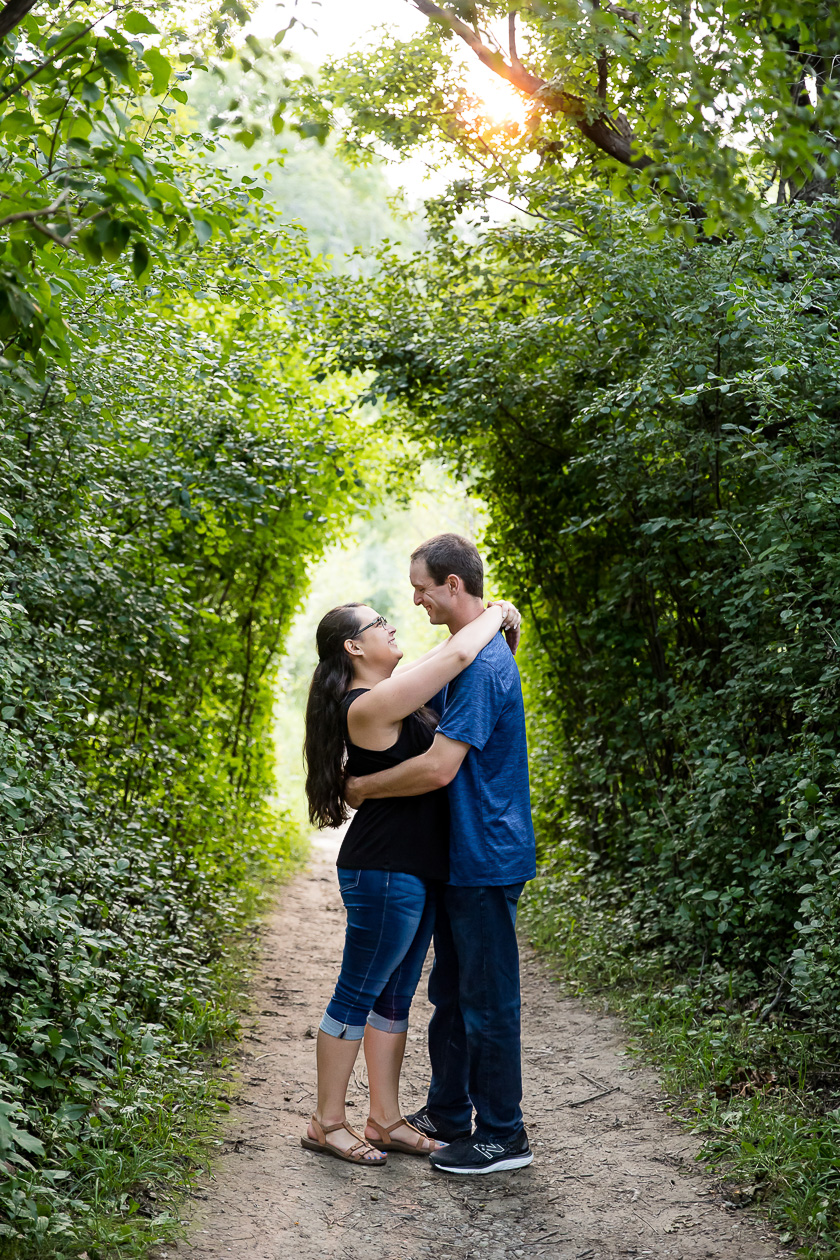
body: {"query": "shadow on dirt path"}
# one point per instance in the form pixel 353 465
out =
pixel 612 1176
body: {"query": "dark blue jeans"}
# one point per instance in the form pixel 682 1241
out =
pixel 474 1039
pixel 389 928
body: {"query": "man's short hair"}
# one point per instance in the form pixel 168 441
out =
pixel 451 553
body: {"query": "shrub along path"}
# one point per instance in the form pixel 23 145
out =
pixel 613 1175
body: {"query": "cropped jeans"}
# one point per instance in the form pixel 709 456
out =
pixel 390 916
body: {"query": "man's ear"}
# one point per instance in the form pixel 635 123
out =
pixel 455 584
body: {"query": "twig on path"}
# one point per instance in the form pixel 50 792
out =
pixel 594 1097
pixel 592 1081
pixel 270 1055
pixel 649 1224
pixel 572 1177
pixel 538 1242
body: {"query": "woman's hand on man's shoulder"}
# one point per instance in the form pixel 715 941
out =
pixel 511 622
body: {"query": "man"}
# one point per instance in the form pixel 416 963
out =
pixel 480 752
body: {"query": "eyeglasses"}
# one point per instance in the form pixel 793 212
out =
pixel 380 621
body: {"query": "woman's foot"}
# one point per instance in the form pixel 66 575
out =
pixel 343 1139
pixel 401 1135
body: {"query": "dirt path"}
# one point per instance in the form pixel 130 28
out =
pixel 613 1177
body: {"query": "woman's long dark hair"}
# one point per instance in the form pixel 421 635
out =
pixel 323 746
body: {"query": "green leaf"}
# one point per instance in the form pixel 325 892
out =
pixel 140 261
pixel 18 122
pixel 41 1081
pixel 73 1111
pixel 161 70
pixel 203 230
pixel 116 62
pixel 12 1134
pixel 137 23
pixel 313 130
pixel 27 1141
pixel 88 243
pixel 237 9
pixel 115 239
pixel 74 35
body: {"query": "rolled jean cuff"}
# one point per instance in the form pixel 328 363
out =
pixel 347 1032
pixel 387 1025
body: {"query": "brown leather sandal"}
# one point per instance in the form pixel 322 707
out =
pixel 386 1143
pixel 353 1155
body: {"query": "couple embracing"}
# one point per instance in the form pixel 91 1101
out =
pixel 433 755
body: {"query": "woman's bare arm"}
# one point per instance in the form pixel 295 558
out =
pixel 394 698
pixel 404 667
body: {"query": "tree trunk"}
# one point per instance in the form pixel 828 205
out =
pixel 12 13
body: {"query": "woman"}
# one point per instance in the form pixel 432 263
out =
pixel 393 851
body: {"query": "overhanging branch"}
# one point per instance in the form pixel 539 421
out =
pixel 12 13
pixel 612 136
pixel 516 75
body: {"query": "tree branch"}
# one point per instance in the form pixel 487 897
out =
pixel 603 73
pixel 627 14
pixel 32 215
pixel 514 58
pixel 66 242
pixel 13 13
pixel 44 65
pixel 517 76
pixel 612 136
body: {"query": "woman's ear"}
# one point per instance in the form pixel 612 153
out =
pixel 352 648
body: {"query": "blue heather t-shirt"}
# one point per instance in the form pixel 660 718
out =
pixel 491 832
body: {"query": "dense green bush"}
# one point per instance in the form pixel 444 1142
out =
pixel 168 470
pixel 160 505
pixel 654 429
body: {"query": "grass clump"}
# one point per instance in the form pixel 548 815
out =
pixel 748 1069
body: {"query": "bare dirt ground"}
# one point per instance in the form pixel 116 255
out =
pixel 613 1175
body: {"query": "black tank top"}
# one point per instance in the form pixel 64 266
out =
pixel 397 833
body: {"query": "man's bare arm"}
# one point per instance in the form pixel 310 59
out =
pixel 433 769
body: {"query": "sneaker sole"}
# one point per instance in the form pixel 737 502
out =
pixel 503 1165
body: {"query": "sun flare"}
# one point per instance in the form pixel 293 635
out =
pixel 497 102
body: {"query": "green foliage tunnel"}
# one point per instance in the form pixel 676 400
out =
pixel 642 384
